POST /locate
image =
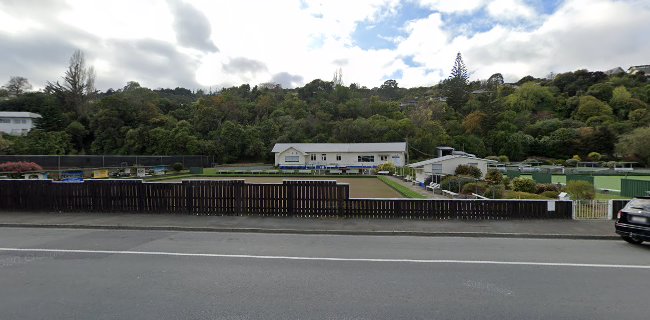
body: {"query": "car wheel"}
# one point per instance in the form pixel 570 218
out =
pixel 631 240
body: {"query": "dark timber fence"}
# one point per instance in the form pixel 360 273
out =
pixel 235 197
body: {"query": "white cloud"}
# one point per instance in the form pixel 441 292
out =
pixel 509 9
pixel 294 40
pixel 452 6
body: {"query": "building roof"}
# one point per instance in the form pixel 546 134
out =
pixel 635 69
pixel 445 158
pixel 342 147
pixel 614 71
pixel 19 114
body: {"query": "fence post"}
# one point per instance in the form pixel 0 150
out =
pixel 610 209
pixel 290 198
pixel 189 196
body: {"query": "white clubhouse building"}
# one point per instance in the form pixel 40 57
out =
pixel 338 155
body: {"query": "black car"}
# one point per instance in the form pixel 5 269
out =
pixel 633 223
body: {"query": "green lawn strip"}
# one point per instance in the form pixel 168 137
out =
pixel 404 191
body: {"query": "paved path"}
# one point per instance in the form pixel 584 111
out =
pixel 114 274
pixel 511 228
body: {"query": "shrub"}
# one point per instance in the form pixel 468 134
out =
pixel 455 183
pixel 571 163
pixel 523 195
pixel 474 187
pixel 388 166
pixel 467 170
pixel 19 167
pixel 495 192
pixel 594 156
pixel 504 159
pixel 576 158
pixel 543 187
pixel 177 166
pixel 493 177
pixel 523 185
pixel 506 182
pixel 580 190
pixel 550 194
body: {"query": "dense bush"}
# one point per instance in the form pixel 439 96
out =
pixel 550 194
pixel 523 185
pixel 504 159
pixel 493 177
pixel 467 170
pixel 20 166
pixel 571 163
pixel 388 166
pixel 580 190
pixel 474 187
pixel 543 187
pixel 594 156
pixel 523 195
pixel 455 183
pixel 495 192
pixel 177 166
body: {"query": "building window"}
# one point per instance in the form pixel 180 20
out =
pixel 338 157
pixel 436 167
pixel 473 164
pixel 366 158
pixel 383 157
pixel 5 121
pixel 292 159
pixel 323 157
pixel 312 157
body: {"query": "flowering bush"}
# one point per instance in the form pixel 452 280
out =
pixel 19 167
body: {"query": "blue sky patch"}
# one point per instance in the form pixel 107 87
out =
pixel 380 34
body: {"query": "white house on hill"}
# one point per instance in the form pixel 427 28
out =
pixel 17 123
pixel 338 155
pixel 447 164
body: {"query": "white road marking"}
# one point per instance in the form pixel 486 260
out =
pixel 247 256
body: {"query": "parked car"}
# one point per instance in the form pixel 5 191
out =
pixel 633 221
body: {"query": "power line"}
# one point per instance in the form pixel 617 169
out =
pixel 424 153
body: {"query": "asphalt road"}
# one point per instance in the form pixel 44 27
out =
pixel 104 274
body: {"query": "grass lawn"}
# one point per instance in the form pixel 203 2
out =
pixel 360 187
pixel 404 191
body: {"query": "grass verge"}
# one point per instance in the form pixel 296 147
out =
pixel 404 191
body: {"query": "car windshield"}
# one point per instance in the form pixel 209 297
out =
pixel 640 204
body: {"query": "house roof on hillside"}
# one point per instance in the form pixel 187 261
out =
pixel 614 71
pixel 342 147
pixel 635 69
pixel 445 158
pixel 19 114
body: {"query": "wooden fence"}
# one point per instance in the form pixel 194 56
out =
pixel 235 197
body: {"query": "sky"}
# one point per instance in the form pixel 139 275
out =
pixel 214 44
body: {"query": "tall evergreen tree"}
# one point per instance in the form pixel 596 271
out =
pixel 456 86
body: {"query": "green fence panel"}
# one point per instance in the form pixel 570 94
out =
pixel 542 177
pixel 513 174
pixel 579 177
pixel 196 170
pixel 634 188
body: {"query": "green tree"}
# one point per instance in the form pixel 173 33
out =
pixel 456 86
pixel 635 145
pixel 17 85
pixel 591 107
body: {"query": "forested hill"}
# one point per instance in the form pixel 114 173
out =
pixel 573 114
